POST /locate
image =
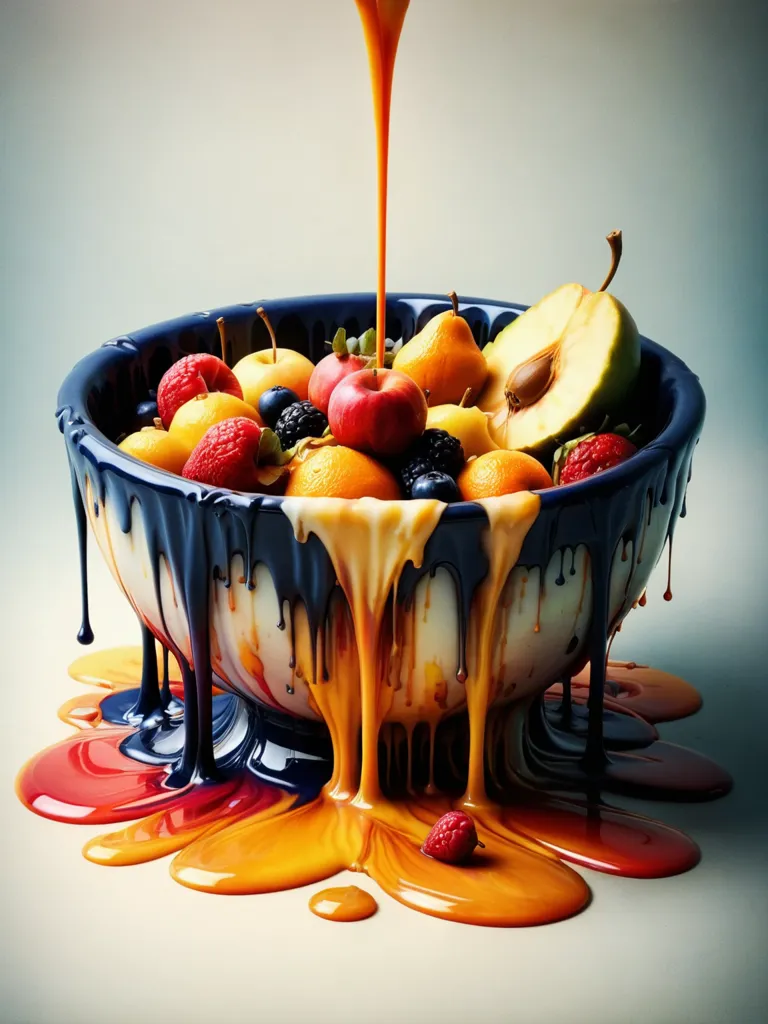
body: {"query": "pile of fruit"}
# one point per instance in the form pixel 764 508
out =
pixel 441 419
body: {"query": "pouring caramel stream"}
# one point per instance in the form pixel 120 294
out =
pixel 382 24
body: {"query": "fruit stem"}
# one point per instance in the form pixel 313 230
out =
pixel 222 339
pixel 262 313
pixel 427 394
pixel 465 398
pixel 454 302
pixel 158 423
pixel 614 240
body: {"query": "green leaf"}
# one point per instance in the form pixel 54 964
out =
pixel 269 475
pixel 367 343
pixel 270 450
pixel 339 343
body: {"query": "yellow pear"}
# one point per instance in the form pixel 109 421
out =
pixel 468 423
pixel 443 358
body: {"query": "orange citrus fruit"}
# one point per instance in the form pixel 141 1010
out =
pixel 156 447
pixel 192 421
pixel 338 472
pixel 502 472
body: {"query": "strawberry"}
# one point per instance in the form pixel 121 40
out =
pixel 239 454
pixel 191 376
pixel 452 839
pixel 590 454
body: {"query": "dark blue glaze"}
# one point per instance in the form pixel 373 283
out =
pixel 198 530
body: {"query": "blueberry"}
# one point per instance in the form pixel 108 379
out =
pixel 435 485
pixel 274 402
pixel 146 413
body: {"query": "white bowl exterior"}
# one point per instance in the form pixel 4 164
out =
pixel 251 655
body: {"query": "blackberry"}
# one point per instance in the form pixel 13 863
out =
pixel 436 451
pixel 300 420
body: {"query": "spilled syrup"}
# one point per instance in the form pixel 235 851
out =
pixel 344 903
pixel 241 835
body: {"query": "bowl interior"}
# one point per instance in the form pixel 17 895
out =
pixel 112 392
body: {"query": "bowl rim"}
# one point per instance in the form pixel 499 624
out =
pixel 685 419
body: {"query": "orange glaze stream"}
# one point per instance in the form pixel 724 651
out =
pixel 351 825
pixel 382 24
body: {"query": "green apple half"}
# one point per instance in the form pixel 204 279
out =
pixel 565 363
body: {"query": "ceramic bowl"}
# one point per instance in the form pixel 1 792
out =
pixel 182 552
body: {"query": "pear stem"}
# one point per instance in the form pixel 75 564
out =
pixel 614 240
pixel 222 339
pixel 262 313
pixel 465 398
pixel 454 302
pixel 158 423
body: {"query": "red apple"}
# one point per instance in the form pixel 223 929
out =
pixel 377 411
pixel 328 373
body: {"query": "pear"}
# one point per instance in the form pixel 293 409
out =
pixel 443 358
pixel 565 363
pixel 468 423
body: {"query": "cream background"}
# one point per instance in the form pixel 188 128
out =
pixel 162 157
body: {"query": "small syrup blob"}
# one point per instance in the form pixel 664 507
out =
pixel 343 903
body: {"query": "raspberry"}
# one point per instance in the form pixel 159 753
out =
pixel 191 376
pixel 227 456
pixel 298 421
pixel 593 455
pixel 436 451
pixel 452 839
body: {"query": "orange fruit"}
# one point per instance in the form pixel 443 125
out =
pixel 502 472
pixel 338 472
pixel 156 447
pixel 195 417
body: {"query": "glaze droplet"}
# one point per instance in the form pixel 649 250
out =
pixel 344 903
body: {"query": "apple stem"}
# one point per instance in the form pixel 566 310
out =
pixel 222 339
pixel 454 302
pixel 614 240
pixel 262 313
pixel 427 393
pixel 465 398
pixel 158 423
